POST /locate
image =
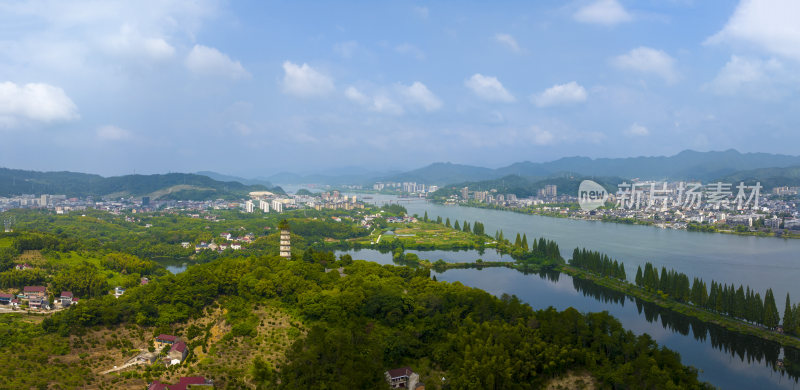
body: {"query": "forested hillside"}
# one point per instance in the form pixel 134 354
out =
pixel 172 185
pixel 254 320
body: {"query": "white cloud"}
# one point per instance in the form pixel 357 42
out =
pixel 346 49
pixel 355 95
pixel 488 88
pixel 770 25
pixel 540 137
pixel 508 41
pixel 385 104
pixel 568 93
pixel 34 102
pixel 112 133
pixel 305 81
pixel 203 60
pixel 752 77
pixel 606 12
pixel 649 61
pixel 637 130
pixel 379 103
pixel 131 43
pixel 82 38
pixel 418 94
pixel 409 49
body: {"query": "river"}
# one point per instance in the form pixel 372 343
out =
pixel 727 360
pixel 761 262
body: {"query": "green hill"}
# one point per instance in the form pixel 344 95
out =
pixel 769 177
pixel 177 186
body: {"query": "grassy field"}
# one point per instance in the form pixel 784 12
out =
pixel 426 234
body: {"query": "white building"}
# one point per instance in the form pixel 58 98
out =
pixel 277 205
pixel 263 205
pixel 249 206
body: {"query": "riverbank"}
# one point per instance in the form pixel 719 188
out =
pixel 701 314
pixel 626 221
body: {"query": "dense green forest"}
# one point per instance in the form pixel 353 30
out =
pixel 379 317
pixel 344 329
pixel 186 186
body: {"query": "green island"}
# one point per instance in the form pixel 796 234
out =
pixel 248 318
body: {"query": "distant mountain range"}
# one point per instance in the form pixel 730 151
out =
pixel 527 177
pixel 178 186
pixel 686 165
pixel 222 177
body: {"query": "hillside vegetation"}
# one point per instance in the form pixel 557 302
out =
pixel 177 186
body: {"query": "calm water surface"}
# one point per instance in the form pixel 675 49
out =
pixel 761 262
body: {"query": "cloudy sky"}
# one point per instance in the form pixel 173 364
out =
pixel 254 88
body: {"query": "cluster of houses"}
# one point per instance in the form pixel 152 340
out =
pixel 37 299
pixel 234 243
pixel 403 219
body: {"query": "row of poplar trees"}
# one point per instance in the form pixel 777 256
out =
pixel 743 302
pixel 597 263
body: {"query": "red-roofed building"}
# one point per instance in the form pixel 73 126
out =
pixel 5 299
pixel 184 383
pixel 66 298
pixel 177 353
pixel 163 340
pixel 34 291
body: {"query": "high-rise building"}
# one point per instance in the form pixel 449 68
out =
pixel 285 244
pixel 249 206
pixel 465 193
pixel 277 205
pixel 263 205
pixel 549 191
pixel 145 201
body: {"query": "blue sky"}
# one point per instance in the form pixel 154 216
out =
pixel 254 88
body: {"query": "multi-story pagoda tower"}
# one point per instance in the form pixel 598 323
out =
pixel 286 245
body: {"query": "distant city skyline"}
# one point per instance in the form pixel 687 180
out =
pixel 256 88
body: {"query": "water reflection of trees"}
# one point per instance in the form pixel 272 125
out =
pixel 747 348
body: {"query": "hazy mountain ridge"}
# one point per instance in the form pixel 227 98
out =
pixel 686 165
pixel 172 185
pixel 227 178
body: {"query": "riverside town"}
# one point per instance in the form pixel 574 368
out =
pixel 420 195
